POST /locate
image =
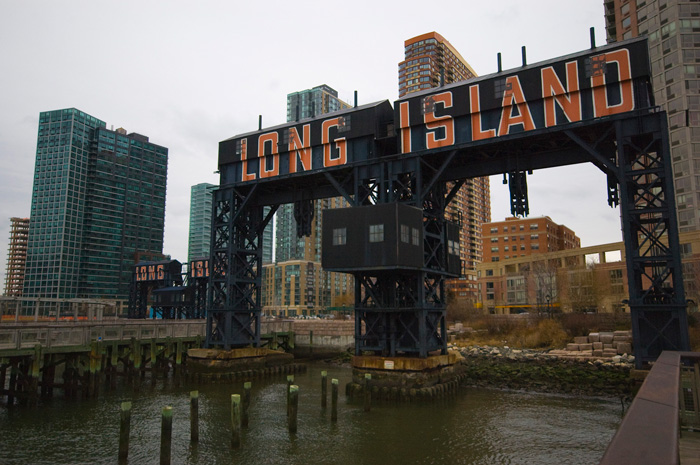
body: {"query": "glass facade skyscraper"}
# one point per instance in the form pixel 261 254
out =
pixel 200 221
pixel 313 102
pixel 296 284
pixel 98 207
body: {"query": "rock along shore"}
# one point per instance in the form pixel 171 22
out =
pixel 548 371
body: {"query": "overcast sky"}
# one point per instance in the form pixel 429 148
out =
pixel 189 74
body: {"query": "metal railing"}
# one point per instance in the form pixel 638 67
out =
pixel 668 401
pixel 56 335
pixel 61 335
pixel 40 309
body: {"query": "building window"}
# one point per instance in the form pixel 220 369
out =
pixel 494 249
pixel 340 236
pixel 453 247
pixel 534 236
pixel 686 250
pixel 534 226
pixel 376 233
pixel 415 237
pixel 535 246
pixel 404 233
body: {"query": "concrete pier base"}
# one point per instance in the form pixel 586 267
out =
pixel 216 361
pixel 406 378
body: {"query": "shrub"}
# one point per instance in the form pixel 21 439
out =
pixel 546 334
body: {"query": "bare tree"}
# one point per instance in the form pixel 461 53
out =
pixel 542 279
pixel 583 288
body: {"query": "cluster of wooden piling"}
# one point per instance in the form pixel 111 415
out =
pixel 371 392
pixel 84 371
pixel 240 407
pixel 257 373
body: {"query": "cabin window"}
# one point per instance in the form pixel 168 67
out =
pixel 376 233
pixel 340 236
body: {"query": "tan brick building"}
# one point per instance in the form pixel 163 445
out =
pixel 520 237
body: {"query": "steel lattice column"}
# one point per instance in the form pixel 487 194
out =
pixel 138 298
pixel 403 311
pixel 233 319
pixel 650 232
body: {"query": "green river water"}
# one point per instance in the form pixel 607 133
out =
pixel 474 426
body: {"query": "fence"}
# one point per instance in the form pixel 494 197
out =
pixel 37 309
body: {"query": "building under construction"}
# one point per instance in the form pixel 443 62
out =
pixel 16 256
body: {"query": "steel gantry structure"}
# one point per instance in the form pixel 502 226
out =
pixel 590 107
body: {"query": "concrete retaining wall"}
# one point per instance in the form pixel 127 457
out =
pixel 327 334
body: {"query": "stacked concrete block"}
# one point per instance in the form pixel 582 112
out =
pixel 601 345
pixel 622 341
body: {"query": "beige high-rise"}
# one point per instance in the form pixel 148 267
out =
pixel 431 60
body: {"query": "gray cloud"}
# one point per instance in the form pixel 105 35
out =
pixel 189 74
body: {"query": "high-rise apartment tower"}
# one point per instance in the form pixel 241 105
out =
pixel 200 221
pixel 673 30
pixel 431 61
pixel 98 207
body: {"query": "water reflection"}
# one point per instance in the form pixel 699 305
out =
pixel 475 426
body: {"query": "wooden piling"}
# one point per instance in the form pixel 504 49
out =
pixel 3 375
pixel 114 363
pixel 166 433
pixel 34 375
pixel 92 361
pixel 245 404
pixel 334 400
pixel 178 362
pixel 154 362
pixel 293 408
pixel 194 416
pixel 235 421
pixel 124 428
pixel 13 383
pixel 368 392
pixel 324 388
pixel 290 380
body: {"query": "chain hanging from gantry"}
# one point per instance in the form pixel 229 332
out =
pixel 519 205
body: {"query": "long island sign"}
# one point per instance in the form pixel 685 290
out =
pixel 600 82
